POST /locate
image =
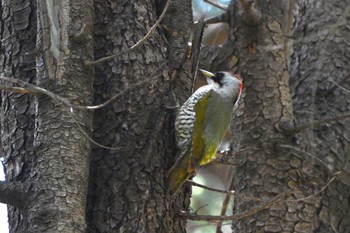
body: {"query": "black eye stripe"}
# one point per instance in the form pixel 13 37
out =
pixel 218 77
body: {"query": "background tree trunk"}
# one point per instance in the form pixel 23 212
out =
pixel 51 192
pixel 126 191
pixel 320 85
pixel 18 38
pixel 75 170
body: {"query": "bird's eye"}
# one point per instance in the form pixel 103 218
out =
pixel 218 77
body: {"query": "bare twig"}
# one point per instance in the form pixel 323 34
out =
pixel 121 93
pixel 338 85
pixel 19 90
pixel 86 135
pixel 197 35
pixel 225 204
pixel 321 122
pixel 201 207
pixel 219 218
pixel 33 89
pixel 223 18
pixel 140 42
pixel 209 188
pixel 319 192
pixel 220 161
pixel 216 4
pixel 306 153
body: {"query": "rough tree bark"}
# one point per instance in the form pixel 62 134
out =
pixel 48 162
pixel 18 36
pixel 320 85
pixel 268 121
pixel 282 158
pixel 263 171
pixel 126 190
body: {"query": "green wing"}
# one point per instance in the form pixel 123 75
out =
pixel 199 147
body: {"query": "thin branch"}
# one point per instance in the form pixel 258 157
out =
pixel 199 208
pixel 216 4
pixel 228 192
pixel 19 90
pixel 306 153
pixel 225 203
pixel 321 122
pixel 319 192
pixel 338 85
pixel 138 44
pixel 219 218
pixel 220 161
pixel 141 83
pixel 223 18
pixel 197 36
pixel 121 93
pixel 86 135
pixel 35 89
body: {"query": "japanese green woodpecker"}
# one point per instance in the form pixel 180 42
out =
pixel 201 124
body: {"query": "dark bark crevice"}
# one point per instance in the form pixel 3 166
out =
pixel 15 194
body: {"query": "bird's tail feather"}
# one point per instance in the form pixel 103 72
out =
pixel 178 174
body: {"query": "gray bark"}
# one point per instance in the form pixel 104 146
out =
pixel 263 171
pixel 265 119
pixel 126 190
pixel 18 30
pixel 320 83
pixel 55 157
pixel 282 155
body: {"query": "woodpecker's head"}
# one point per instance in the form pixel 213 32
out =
pixel 230 83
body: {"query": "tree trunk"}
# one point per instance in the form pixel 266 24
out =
pixel 18 36
pixel 279 158
pixel 320 85
pixel 126 190
pixel 52 190
pixel 263 171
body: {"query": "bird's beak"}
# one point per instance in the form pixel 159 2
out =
pixel 206 73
